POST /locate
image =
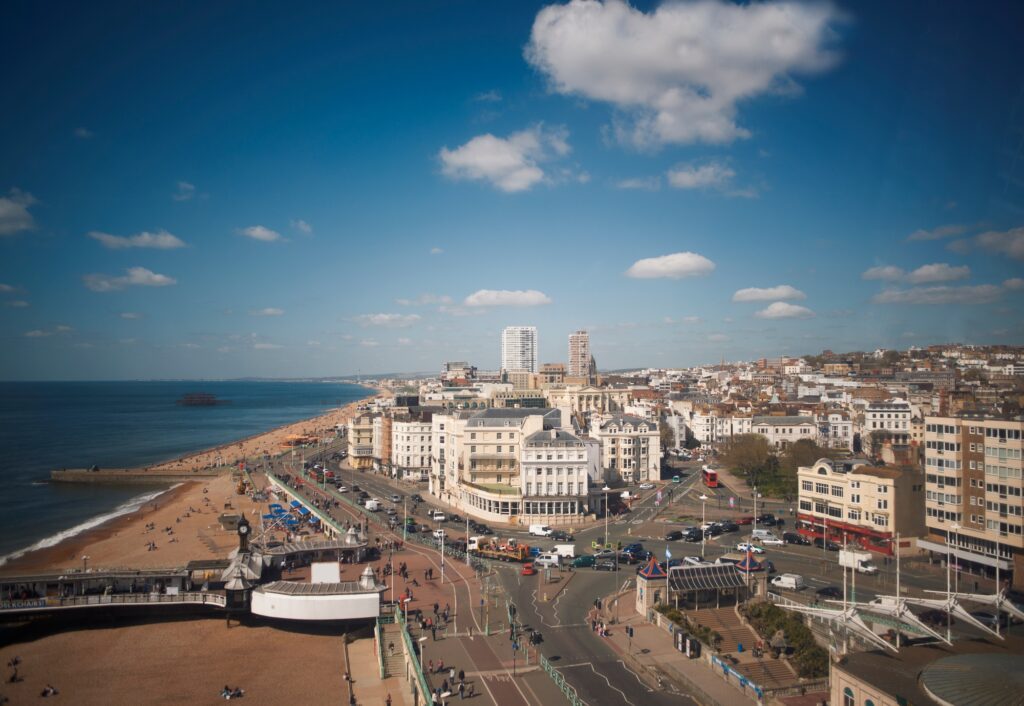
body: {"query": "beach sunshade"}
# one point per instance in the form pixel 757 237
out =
pixel 314 520
pixel 275 506
pixel 270 517
pixel 296 503
pixel 303 511
pixel 291 521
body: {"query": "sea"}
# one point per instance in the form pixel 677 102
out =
pixel 51 425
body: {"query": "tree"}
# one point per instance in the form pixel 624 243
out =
pixel 668 436
pixel 747 453
pixel 878 439
pixel 691 440
pixel 802 453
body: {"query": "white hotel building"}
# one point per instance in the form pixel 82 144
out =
pixel 519 348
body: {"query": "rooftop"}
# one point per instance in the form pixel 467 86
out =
pixel 294 588
pixel 782 420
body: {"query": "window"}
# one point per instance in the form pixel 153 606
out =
pixel 883 504
pixel 848 697
pixel 806 485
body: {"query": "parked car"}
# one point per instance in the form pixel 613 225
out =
pixel 767 519
pixel 745 520
pixel 454 518
pixel 794 538
pixel 828 545
pixel 646 486
pixel 342 489
pixel 693 535
pixel 772 541
pixel 560 536
pixel 438 534
pixel 936 618
pixel 829 593
pixel 673 536
pixel 747 546
pixel 416 498
pixel 604 554
pixel 990 620
pixel 583 561
pixel 356 488
pixel 694 561
pixel 729 526
pixel 392 511
pixel 396 498
pixel 606 565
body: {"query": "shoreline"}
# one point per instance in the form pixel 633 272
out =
pixel 67 552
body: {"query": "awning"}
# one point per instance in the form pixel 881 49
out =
pixel 699 578
pixel 314 520
pixel 961 553
pixel 296 503
pixel 303 511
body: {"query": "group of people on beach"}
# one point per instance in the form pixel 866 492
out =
pixel 228 693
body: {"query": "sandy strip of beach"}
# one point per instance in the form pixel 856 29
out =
pixel 184 520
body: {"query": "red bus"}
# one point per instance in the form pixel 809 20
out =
pixel 710 477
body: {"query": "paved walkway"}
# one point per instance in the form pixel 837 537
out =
pixel 368 687
pixel 651 648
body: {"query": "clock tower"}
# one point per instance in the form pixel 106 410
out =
pixel 243 535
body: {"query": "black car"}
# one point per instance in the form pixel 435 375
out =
pixel 826 544
pixel 693 535
pixel 673 536
pixel 606 565
pixel 767 519
pixel 715 529
pixel 415 497
pixel 560 536
pixel 829 593
pixel 484 529
pixel 355 488
pixel 729 527
pixel 454 518
pixel 794 538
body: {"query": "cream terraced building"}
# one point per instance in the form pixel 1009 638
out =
pixel 630 447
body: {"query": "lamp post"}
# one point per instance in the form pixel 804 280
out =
pixel 423 649
pixel 85 563
pixel 703 520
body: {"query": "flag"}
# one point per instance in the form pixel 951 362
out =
pixel 668 553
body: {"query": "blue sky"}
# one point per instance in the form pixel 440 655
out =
pixel 261 190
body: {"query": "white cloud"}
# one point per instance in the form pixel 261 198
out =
pixel 369 343
pixel 1007 242
pixel 302 226
pixel 130 315
pixel 717 337
pixel 1014 283
pixel 978 294
pixel 506 297
pixel 38 333
pixel 63 328
pixel 674 266
pixel 691 319
pixel 14 215
pixel 436 251
pixel 492 96
pixel 266 346
pixel 405 341
pixel 184 192
pixel 883 272
pixel 45 333
pixel 269 311
pixel 387 320
pixel 161 240
pixel 134 277
pixel 18 304
pixel 700 176
pixel 425 299
pixel 680 72
pixel 510 164
pixel 640 183
pixel 84 133
pixel 260 233
pixel 7 289
pixel 783 310
pixel 313 343
pixel 939 233
pixel 938 272
pixel 756 294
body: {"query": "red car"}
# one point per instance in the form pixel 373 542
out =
pixel 745 520
pixel 528 570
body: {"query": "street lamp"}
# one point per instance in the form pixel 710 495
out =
pixel 85 563
pixel 703 520
pixel 423 649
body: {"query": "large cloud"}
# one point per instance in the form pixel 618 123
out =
pixel 947 231
pixel 938 272
pixel 134 277
pixel 260 233
pixel 681 71
pixel 506 297
pixel 887 273
pixel 757 294
pixel 14 215
pixel 782 310
pixel 161 240
pixel 510 164
pixel 1006 242
pixel 674 266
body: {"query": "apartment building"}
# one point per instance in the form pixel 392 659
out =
pixel 554 476
pixel 862 505
pixel 890 419
pixel 630 447
pixel 588 398
pixel 360 440
pixel 835 430
pixel 782 431
pixel 519 348
pixel 975 492
pixel 552 374
pixel 411 444
pixel 579 355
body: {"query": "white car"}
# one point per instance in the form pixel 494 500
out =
pixel 342 489
pixel 439 534
pixel 646 486
pixel 772 541
pixel 746 546
pixel 695 561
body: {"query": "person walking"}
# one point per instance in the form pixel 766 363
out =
pixel 462 690
pixel 451 675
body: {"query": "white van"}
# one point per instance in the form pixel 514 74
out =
pixel 373 505
pixel 547 559
pixel 794 582
pixel 762 535
pixel 438 516
pixel 540 530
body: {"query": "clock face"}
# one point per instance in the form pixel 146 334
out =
pixel 244 529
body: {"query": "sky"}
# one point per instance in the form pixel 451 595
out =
pixel 206 190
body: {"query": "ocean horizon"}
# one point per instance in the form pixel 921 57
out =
pixel 49 425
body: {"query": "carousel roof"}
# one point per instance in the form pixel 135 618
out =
pixel 652 570
pixel 697 578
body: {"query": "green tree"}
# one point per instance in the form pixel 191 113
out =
pixel 747 453
pixel 802 453
pixel 668 437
